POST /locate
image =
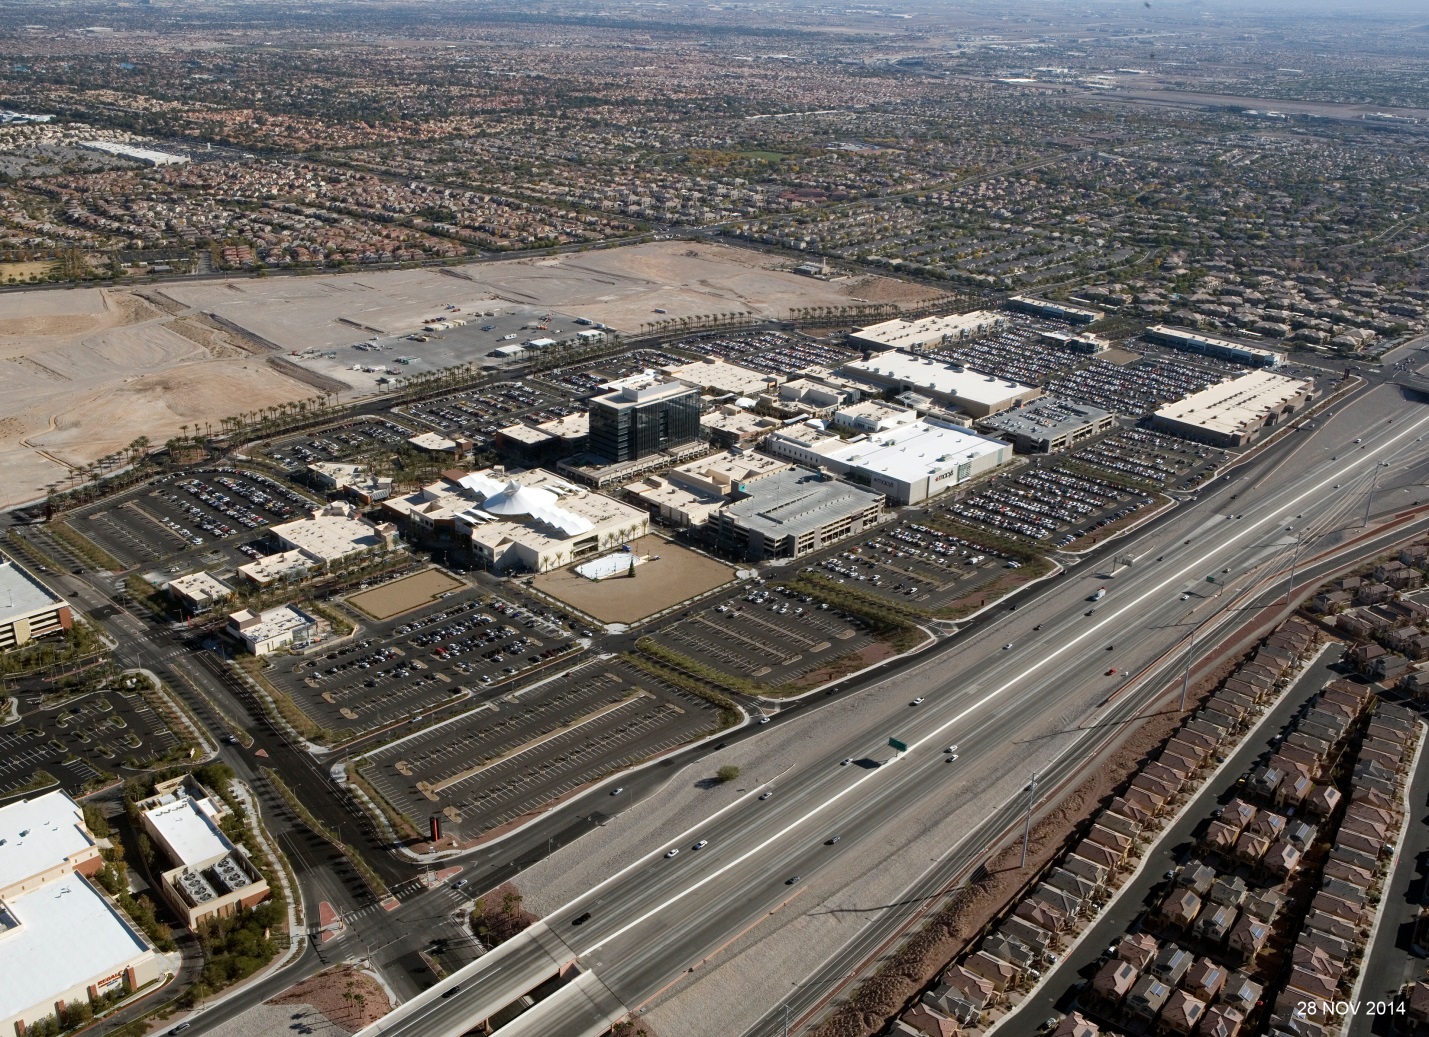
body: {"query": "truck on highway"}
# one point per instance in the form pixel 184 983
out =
pixel 1097 594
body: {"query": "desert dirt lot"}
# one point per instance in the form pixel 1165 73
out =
pixel 622 287
pixel 405 594
pixel 678 574
pixel 87 371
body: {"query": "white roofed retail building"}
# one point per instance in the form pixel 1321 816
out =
pixel 61 939
pixel 533 520
pixel 1234 412
pixel 207 876
pixel 28 609
pixel 907 464
pixel 924 333
pixel 333 533
pixel 265 632
pixel 972 391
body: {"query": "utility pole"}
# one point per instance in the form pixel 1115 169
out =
pixel 1027 824
pixel 1294 560
pixel 1370 498
pixel 1186 673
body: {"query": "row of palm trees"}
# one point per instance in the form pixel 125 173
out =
pixel 270 420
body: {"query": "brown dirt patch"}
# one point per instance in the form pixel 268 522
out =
pixel 328 993
pixel 406 594
pixel 659 583
pixel 871 288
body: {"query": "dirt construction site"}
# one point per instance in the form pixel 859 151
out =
pixel 88 370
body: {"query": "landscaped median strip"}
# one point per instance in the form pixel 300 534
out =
pixel 374 882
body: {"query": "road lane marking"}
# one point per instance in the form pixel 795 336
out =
pixel 937 733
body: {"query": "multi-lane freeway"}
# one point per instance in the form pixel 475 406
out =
pixel 1301 504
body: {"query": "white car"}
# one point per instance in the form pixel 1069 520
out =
pixel 917 701
pixel 675 852
pixel 1007 646
pixel 846 762
pixel 700 845
pixel 951 749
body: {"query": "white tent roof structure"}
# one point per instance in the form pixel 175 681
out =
pixel 513 500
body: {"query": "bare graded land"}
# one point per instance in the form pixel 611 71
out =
pixel 405 594
pixel 659 583
pixel 324 311
pixel 622 287
pixel 87 371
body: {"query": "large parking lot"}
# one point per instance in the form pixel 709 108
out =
pixel 1138 388
pixel 478 413
pixel 914 564
pixel 82 740
pixel 772 352
pixel 523 750
pixel 467 644
pixel 768 634
pixel 199 508
pixel 1016 352
pixel 584 380
pixel 1042 503
pixel 1152 458
pixel 350 439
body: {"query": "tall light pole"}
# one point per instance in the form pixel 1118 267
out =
pixel 1294 560
pixel 1186 673
pixel 1370 498
pixel 1027 824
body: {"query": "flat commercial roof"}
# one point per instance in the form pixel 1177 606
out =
pixel 276 566
pixel 190 834
pixel 53 827
pixel 799 501
pixel 20 593
pixel 67 935
pixel 904 333
pixel 946 379
pixel 273 622
pixel 327 537
pixel 717 374
pixel 200 584
pixel 1167 332
pixel 1235 404
pixel 910 452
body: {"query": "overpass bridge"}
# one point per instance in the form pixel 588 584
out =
pixel 1416 385
pixel 530 985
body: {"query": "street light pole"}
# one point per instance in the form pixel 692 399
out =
pixel 1027 824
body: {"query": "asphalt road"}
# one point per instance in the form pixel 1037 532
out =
pixel 661 916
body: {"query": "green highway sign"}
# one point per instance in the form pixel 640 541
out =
pixel 900 746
